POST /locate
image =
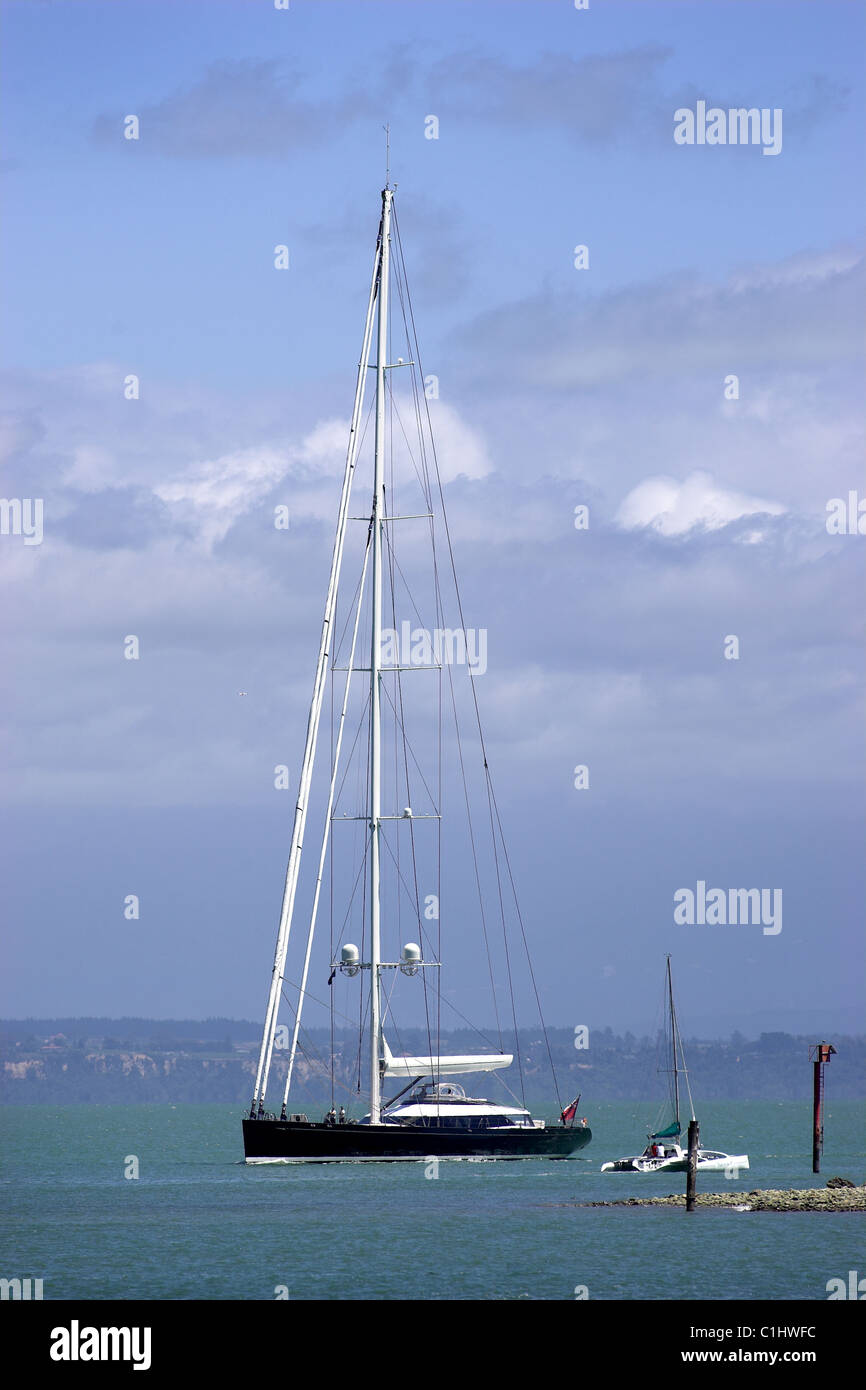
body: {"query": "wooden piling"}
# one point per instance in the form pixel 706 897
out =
pixel 819 1055
pixel 692 1170
pixel 817 1115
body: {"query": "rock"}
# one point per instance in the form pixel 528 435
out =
pixel 840 1182
pixel 849 1198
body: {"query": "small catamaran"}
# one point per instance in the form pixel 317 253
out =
pixel 664 1152
pixel 430 1115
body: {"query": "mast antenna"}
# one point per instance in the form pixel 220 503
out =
pixel 387 130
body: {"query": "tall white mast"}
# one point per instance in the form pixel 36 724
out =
pixel 293 868
pixel 375 659
pixel 325 835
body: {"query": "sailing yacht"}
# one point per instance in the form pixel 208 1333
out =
pixel 430 1114
pixel 664 1152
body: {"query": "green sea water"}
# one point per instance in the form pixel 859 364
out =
pixel 198 1223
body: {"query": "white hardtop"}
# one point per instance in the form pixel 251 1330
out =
pixel 442 1066
pixel 464 1108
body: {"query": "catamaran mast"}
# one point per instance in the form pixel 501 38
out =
pixel 375 661
pixel 679 1054
pixel 674 1045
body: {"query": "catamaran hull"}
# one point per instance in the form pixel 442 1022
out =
pixel 720 1163
pixel 280 1141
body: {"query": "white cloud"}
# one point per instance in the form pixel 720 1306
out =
pixel 460 449
pixel 212 495
pixel 803 267
pixel 673 508
pixel 215 493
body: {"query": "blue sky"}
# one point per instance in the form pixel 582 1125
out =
pixel 558 387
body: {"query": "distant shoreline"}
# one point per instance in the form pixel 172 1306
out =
pixel 130 1061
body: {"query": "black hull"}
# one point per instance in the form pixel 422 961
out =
pixel 304 1142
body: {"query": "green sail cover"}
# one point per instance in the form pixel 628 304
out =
pixel 670 1133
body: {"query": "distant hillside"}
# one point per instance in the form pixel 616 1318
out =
pixel 66 1061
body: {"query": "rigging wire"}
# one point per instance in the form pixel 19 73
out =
pixel 307 1043
pixel 482 912
pixel 416 347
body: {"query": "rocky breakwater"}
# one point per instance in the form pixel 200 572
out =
pixel 840 1194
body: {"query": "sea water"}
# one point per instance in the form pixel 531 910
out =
pixel 198 1223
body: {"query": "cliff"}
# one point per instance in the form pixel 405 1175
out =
pixel 129 1061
